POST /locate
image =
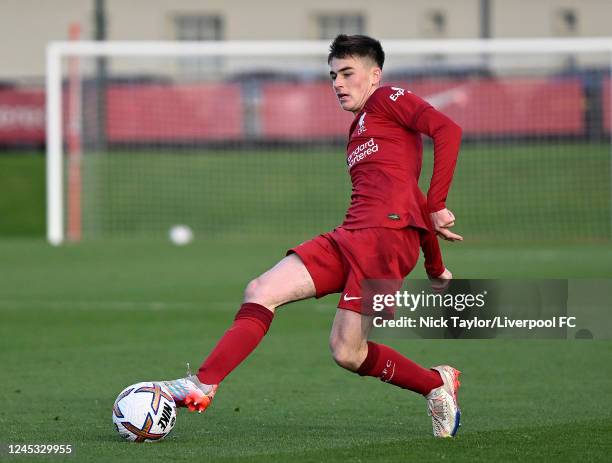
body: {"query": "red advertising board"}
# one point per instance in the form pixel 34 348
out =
pixel 526 106
pixel 173 113
pixel 22 116
pixel 150 113
pixel 509 106
pixel 302 111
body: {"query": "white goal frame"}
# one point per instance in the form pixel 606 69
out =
pixel 56 51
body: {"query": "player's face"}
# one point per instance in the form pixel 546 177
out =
pixel 354 80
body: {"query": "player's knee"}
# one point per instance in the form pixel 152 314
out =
pixel 257 291
pixel 253 290
pixel 344 355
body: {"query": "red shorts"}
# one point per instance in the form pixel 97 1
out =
pixel 340 260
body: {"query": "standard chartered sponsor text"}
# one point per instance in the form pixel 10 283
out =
pixel 361 152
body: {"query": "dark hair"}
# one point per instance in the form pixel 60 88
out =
pixel 357 45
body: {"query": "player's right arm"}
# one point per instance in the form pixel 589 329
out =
pixel 434 266
pixel 437 273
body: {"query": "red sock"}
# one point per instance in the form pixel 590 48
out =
pixel 392 367
pixel 250 326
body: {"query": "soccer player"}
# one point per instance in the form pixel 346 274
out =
pixel 387 222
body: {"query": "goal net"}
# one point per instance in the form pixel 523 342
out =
pixel 240 139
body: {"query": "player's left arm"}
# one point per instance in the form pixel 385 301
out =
pixel 446 136
pixel 416 114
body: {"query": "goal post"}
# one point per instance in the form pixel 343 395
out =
pixel 58 51
pixel 54 146
pixel 244 137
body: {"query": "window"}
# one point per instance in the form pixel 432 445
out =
pixel 565 22
pixel 194 28
pixel 330 25
pixel 434 24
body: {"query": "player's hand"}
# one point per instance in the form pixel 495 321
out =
pixel 441 282
pixel 442 221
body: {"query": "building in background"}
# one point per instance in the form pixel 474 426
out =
pixel 148 140
pixel 27 25
pixel 257 93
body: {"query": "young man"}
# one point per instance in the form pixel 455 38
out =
pixel 388 220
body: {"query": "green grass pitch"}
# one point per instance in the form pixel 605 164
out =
pixel 78 323
pixel 521 193
pixel 513 192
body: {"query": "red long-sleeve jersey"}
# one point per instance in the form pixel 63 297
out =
pixel 384 158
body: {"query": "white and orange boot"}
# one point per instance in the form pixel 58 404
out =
pixel 442 403
pixel 191 393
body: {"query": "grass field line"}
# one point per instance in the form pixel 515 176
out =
pixel 5 304
pixel 99 304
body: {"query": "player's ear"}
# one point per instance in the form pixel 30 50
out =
pixel 376 75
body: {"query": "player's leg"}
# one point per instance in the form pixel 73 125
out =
pixel 352 350
pixel 387 256
pixel 312 268
pixel 348 340
pixel 287 281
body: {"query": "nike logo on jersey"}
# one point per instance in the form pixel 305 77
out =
pixel 350 298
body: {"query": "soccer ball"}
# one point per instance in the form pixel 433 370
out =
pixel 144 412
pixel 180 235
